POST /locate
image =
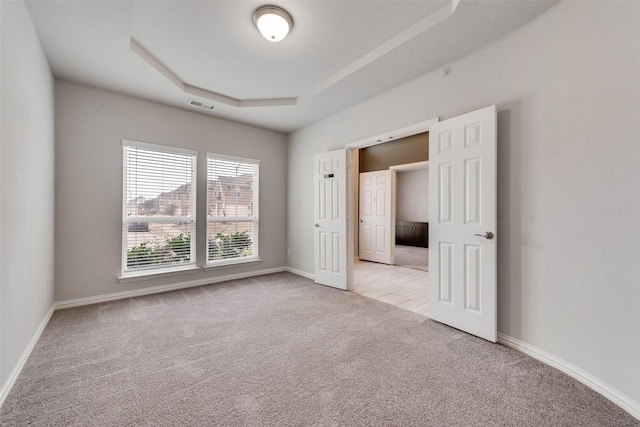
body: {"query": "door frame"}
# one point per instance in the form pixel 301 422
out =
pixel 352 148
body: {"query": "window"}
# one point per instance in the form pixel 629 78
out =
pixel 232 210
pixel 159 209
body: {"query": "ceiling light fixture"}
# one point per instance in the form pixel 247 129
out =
pixel 274 23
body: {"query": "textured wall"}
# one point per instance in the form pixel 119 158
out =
pixel 26 186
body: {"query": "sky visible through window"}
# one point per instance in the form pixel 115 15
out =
pixel 150 173
pixel 217 167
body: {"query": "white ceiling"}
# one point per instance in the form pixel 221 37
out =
pixel 338 53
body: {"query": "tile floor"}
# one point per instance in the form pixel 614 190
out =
pixel 403 287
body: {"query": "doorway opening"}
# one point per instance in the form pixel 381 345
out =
pixel 463 210
pixel 412 216
pixel 391 207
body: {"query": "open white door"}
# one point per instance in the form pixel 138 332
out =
pixel 462 223
pixel 376 230
pixel 330 216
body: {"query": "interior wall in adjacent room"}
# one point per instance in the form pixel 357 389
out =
pixel 412 195
pixel 399 152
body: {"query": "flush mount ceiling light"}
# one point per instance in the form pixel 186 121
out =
pixel 274 23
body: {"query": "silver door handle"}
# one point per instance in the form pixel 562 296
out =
pixel 488 235
pixel 316 225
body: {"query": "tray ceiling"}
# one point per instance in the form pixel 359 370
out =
pixel 338 53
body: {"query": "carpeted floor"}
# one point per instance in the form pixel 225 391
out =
pixel 412 257
pixel 280 351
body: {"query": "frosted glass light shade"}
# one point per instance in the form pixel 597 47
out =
pixel 273 22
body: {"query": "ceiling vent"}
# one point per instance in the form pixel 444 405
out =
pixel 201 104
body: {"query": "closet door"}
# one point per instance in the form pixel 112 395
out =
pixel 376 229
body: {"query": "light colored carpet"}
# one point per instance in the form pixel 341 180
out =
pixel 280 351
pixel 412 257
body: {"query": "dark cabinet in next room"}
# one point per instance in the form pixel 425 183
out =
pixel 412 233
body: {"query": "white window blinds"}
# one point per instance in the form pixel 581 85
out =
pixel 232 209
pixel 159 207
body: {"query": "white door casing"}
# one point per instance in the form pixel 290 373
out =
pixel 330 218
pixel 376 228
pixel 462 209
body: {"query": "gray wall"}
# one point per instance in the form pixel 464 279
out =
pixel 567 92
pixel 26 187
pixel 412 195
pixel 90 125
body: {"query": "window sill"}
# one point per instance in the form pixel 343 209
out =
pixel 155 274
pixel 232 263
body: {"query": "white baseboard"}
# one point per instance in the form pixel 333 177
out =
pixel 620 399
pixel 164 288
pixel 300 273
pixel 25 356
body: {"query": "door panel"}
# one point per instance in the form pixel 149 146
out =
pixel 330 216
pixel 462 208
pixel 376 227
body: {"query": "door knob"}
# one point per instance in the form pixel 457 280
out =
pixel 316 225
pixel 488 235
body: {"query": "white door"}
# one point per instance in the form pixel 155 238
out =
pixel 462 222
pixel 376 230
pixel 330 218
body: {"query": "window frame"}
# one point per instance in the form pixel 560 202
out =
pixel 129 273
pixel 255 218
